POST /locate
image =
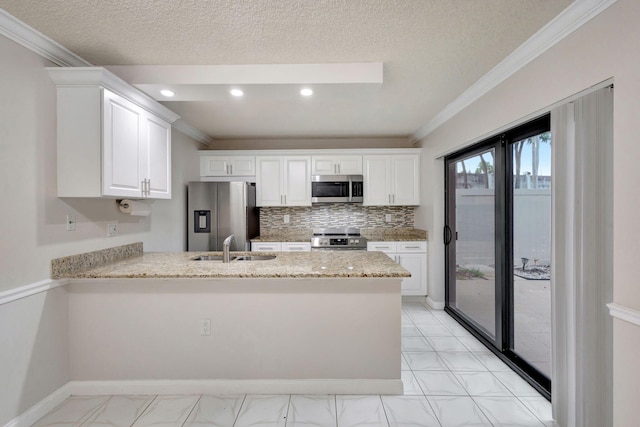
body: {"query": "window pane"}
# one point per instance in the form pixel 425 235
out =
pixel 475 244
pixel 532 250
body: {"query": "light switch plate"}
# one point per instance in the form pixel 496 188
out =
pixel 112 229
pixel 71 222
pixel 387 218
pixel 287 218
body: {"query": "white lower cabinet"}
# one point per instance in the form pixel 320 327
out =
pixel 280 247
pixel 412 255
pixel 296 247
pixel 266 247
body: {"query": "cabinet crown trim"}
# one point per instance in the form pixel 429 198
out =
pixel 311 152
pixel 100 76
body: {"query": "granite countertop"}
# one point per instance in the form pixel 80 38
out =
pixel 372 234
pixel 286 264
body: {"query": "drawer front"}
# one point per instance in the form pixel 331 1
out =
pixel 385 247
pixel 408 247
pixel 296 247
pixel 266 247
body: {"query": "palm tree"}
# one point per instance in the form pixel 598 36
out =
pixel 517 147
pixel 535 155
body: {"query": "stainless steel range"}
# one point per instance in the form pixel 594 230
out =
pixel 338 239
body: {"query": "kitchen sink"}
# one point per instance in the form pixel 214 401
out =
pixel 207 258
pixel 255 258
pixel 234 258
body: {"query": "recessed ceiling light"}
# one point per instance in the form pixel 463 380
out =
pixel 237 92
pixel 306 92
pixel 168 93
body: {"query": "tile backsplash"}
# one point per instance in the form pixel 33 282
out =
pixel 335 215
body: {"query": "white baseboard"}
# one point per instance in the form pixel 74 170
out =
pixel 168 387
pixel 434 304
pixel 42 408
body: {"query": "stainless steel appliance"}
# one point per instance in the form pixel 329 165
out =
pixel 216 210
pixel 338 239
pixel 337 189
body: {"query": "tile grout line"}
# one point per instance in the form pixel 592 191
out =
pixel 286 415
pixel 146 408
pixel 192 409
pixel 528 409
pixel 384 410
pixel 95 411
pixel 239 410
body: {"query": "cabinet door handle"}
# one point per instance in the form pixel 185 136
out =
pixel 393 198
pixel 285 199
pixel 145 187
pixel 412 247
pixel 338 165
pixel 230 169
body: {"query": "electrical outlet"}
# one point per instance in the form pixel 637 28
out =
pixel 287 219
pixel 387 218
pixel 112 229
pixel 71 222
pixel 205 327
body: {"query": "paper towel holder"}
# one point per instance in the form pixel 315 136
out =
pixel 124 205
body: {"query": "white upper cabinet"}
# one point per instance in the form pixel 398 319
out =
pixel 110 145
pixel 391 180
pixel 336 165
pixel 213 165
pixel 158 157
pixel 283 181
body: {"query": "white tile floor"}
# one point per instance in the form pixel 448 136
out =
pixel 450 380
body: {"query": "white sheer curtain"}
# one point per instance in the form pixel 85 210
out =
pixel 582 276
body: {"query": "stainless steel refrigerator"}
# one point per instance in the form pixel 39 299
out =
pixel 216 210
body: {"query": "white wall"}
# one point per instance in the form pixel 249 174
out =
pixel 601 49
pixel 33 335
pixel 260 329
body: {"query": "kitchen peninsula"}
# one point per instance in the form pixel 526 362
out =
pixel 314 322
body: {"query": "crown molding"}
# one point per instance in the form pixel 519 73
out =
pixel 16 30
pixel 185 128
pixel 569 20
pixel 30 38
pixel 99 76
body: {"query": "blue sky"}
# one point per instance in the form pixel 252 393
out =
pixel 526 164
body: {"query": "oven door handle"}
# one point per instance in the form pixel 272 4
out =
pixel 350 189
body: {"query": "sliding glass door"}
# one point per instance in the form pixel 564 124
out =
pixel 472 210
pixel 498 241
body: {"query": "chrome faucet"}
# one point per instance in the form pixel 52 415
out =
pixel 225 248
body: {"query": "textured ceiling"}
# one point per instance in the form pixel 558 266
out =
pixel 432 51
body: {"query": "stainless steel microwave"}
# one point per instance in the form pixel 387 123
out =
pixel 337 189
